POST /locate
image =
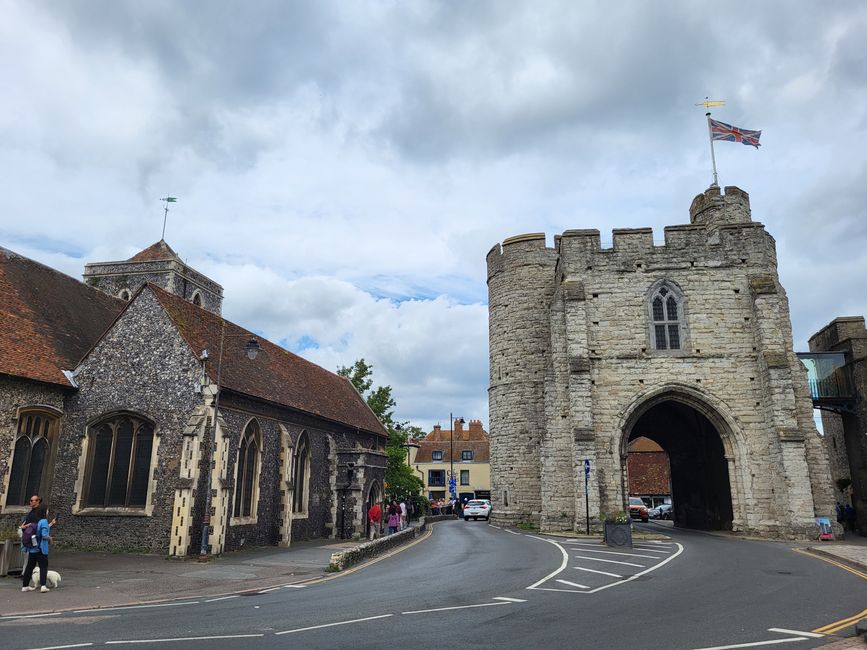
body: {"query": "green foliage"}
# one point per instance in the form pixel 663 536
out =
pixel 401 479
pixel 332 568
pixel 526 525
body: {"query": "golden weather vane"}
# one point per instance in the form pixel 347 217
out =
pixel 708 103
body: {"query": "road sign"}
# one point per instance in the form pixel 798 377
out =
pixel 452 484
pixel 586 467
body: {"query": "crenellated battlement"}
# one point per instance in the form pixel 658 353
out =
pixel 721 230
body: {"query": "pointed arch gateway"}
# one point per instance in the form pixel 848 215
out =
pixel 704 446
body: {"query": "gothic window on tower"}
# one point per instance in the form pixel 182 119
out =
pixel 33 457
pixel 119 454
pixel 666 317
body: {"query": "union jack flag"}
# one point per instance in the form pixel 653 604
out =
pixel 723 131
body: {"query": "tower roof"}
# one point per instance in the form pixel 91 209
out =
pixel 159 251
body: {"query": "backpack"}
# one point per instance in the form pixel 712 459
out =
pixel 30 537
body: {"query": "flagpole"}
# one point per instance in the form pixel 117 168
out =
pixel 712 157
pixel 167 200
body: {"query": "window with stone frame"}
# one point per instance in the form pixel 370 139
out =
pixel 436 456
pixel 666 317
pixel 33 458
pixel 465 477
pixel 119 462
pixel 247 471
pixel 467 455
pixel 301 476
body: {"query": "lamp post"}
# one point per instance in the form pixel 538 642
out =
pixel 253 348
pixel 452 421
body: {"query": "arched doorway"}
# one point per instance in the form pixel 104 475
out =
pixel 700 487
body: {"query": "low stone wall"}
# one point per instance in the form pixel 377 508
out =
pixel 367 550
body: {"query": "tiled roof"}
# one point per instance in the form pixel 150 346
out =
pixel 159 251
pixel 48 320
pixel 275 375
pixel 642 444
pixel 474 439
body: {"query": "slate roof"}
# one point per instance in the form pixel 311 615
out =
pixel 159 251
pixel 275 375
pixel 48 320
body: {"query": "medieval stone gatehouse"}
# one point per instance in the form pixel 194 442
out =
pixel 126 412
pixel 687 343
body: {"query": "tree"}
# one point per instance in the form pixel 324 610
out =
pixel 399 476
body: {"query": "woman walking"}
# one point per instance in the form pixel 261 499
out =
pixel 393 518
pixel 38 554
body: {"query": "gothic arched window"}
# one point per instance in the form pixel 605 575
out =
pixel 32 459
pixel 247 471
pixel 197 299
pixel 666 317
pixel 301 478
pixel 119 462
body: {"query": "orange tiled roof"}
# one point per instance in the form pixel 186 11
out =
pixel 159 251
pixel 48 320
pixel 275 375
pixel 474 439
pixel 643 444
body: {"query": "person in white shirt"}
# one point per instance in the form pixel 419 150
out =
pixel 402 514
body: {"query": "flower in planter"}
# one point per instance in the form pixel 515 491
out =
pixel 619 517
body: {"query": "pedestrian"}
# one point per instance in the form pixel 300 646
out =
pixel 403 513
pixel 393 518
pixel 374 517
pixel 459 509
pixel 849 512
pixel 35 513
pixel 435 506
pixel 841 514
pixel 38 555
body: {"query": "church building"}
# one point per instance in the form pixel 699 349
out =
pixel 148 422
pixel 686 342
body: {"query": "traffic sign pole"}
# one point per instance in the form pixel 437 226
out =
pixel 587 491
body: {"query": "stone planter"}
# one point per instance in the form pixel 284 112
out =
pixel 11 558
pixel 618 534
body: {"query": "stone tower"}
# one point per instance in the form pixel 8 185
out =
pixel 160 265
pixel 687 343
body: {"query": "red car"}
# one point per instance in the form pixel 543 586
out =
pixel 637 509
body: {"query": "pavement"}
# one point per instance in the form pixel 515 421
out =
pixel 91 580
pixel 100 580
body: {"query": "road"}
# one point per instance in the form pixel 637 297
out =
pixel 473 585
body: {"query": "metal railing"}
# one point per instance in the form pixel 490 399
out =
pixel 828 375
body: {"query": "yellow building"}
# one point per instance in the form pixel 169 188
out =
pixel 467 454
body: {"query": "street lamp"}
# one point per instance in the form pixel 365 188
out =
pixel 452 420
pixel 252 349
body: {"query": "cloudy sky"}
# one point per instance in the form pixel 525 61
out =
pixel 342 168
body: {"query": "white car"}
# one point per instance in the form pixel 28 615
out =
pixel 477 508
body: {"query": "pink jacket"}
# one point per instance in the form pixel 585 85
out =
pixel 394 520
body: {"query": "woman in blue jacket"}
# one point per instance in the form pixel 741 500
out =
pixel 38 555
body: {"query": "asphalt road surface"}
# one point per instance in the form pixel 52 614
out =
pixel 473 585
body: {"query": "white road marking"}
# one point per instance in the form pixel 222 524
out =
pixel 6 618
pixel 319 627
pixel 446 609
pixel 186 638
pixel 293 586
pixel 605 573
pixel 510 600
pixel 512 532
pixel 599 559
pixel 562 566
pixel 592 550
pixel 752 645
pixel 213 600
pixel 114 609
pixel 573 584
pixel 652 549
pixel 60 647
pixel 812 635
pixel 265 591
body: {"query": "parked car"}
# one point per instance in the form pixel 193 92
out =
pixel 477 508
pixel 663 511
pixel 637 509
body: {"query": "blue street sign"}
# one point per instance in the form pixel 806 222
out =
pixel 452 484
pixel 587 467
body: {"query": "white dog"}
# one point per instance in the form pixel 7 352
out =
pixel 53 580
